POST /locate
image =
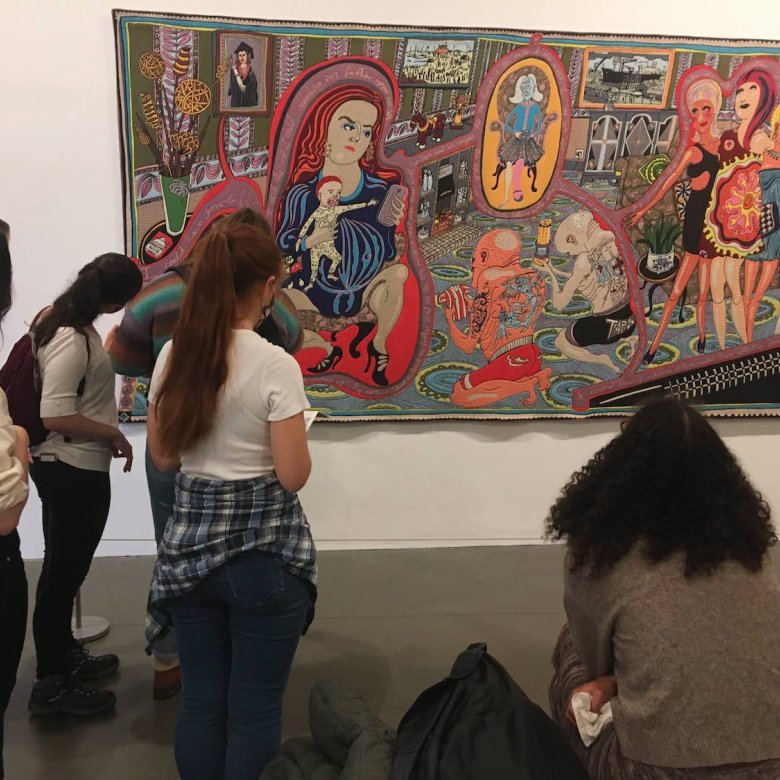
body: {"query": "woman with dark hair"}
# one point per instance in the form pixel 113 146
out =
pixel 242 89
pixel 14 444
pixel 70 470
pixel 236 566
pixel 673 606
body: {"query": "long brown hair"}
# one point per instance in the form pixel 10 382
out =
pixel 230 261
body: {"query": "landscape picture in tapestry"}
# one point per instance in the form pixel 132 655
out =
pixel 476 224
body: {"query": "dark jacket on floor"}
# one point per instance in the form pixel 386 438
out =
pixel 478 724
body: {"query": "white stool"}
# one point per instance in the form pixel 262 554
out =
pixel 89 628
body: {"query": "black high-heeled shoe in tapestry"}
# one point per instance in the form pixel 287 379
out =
pixel 328 362
pixel 380 361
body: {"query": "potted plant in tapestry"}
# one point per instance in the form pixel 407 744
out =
pixel 167 124
pixel 659 237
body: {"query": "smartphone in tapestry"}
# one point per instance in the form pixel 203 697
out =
pixel 394 200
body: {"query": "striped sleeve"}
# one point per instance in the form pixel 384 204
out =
pixel 288 325
pixel 147 326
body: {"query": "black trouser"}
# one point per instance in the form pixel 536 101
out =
pixel 75 509
pixel 13 621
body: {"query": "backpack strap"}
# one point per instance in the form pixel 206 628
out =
pixel 36 366
pixel 37 318
pixel 83 382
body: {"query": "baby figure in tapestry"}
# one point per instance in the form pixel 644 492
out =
pixel 324 218
pixel 599 276
pixel 501 316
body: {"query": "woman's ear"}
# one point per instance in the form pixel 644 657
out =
pixel 269 289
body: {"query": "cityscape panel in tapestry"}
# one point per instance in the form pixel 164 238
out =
pixel 475 223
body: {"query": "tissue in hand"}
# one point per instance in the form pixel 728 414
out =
pixel 590 724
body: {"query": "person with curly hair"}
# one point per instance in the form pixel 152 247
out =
pixel 673 606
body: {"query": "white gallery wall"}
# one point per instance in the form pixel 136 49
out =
pixel 379 485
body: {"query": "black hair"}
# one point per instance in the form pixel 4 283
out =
pixel 247 48
pixel 6 273
pixel 111 279
pixel 669 484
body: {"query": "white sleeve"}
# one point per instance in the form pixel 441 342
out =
pixel 159 372
pixel 283 387
pixel 63 363
pixel 13 488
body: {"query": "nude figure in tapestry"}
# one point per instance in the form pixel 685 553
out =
pixel 501 320
pixel 597 275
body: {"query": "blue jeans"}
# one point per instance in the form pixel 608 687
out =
pixel 238 631
pixel 162 494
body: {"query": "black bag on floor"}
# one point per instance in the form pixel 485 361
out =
pixel 477 724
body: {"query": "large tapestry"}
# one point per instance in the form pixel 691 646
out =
pixel 480 224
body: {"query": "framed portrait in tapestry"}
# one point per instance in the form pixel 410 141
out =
pixel 626 78
pixel 437 62
pixel 244 66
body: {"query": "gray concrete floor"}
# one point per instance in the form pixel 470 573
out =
pixel 389 623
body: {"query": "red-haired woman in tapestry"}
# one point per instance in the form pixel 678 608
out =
pixel 731 229
pixel 339 139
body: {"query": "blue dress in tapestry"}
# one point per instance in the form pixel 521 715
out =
pixel 770 193
pixel 365 245
pixel 524 121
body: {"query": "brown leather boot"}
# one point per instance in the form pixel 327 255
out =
pixel 167 684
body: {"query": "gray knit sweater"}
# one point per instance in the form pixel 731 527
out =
pixel 697 661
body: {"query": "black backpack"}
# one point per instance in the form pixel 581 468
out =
pixel 477 724
pixel 20 379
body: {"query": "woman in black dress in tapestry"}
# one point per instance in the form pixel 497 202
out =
pixel 700 162
pixel 243 82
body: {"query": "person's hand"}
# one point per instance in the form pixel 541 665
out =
pixel 761 142
pixel 601 690
pixel 634 219
pixel 320 235
pixel 543 263
pixel 108 344
pixel 121 448
pixel 397 208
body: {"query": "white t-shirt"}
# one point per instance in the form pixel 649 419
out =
pixel 63 363
pixel 264 385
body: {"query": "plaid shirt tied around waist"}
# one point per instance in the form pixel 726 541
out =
pixel 214 521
